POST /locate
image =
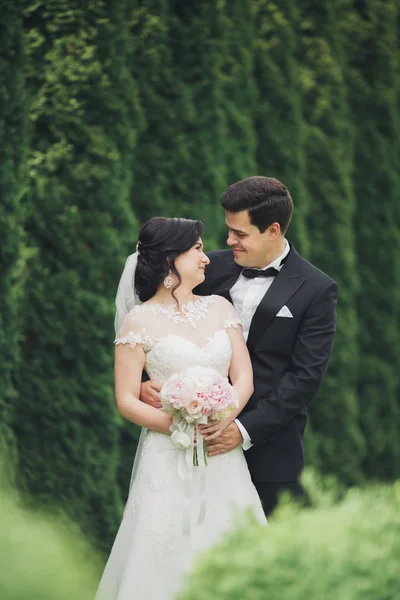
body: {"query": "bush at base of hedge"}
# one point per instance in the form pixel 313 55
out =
pixel 350 551
pixel 43 558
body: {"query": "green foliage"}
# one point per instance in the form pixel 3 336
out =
pixel 112 112
pixel 158 142
pixel 43 557
pixel 240 90
pixel 329 150
pixel 13 149
pixel 199 63
pixel 195 80
pixel 348 551
pixel 84 116
pixel 278 112
pixel 374 83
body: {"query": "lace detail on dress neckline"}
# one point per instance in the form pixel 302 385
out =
pixel 190 313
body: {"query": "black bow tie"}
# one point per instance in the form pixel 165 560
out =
pixel 252 273
pixel 270 272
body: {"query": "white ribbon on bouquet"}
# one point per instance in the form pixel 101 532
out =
pixel 191 457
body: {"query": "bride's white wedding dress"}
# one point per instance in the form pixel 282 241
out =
pixel 151 552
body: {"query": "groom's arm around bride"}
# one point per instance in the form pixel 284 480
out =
pixel 275 408
pixel 300 383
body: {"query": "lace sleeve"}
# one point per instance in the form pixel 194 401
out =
pixel 133 339
pixel 229 316
pixel 133 333
pixel 231 320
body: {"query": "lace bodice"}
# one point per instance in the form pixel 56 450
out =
pixel 175 340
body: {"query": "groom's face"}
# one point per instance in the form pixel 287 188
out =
pixel 250 247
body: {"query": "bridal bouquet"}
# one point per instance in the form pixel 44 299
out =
pixel 191 398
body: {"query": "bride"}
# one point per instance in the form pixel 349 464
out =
pixel 174 509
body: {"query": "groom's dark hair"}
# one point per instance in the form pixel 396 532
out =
pixel 267 199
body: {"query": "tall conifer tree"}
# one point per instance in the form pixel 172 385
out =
pixel 279 120
pixel 374 81
pixel 199 48
pixel 183 147
pixel 85 117
pixel 157 145
pixel 13 148
pixel 329 155
pixel 240 91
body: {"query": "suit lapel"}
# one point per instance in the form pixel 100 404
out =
pixel 285 284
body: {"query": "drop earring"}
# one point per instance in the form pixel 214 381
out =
pixel 168 281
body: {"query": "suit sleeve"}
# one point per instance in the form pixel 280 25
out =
pixel 311 353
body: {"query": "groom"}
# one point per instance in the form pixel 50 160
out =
pixel 288 311
pixel 287 308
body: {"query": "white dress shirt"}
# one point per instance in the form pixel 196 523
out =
pixel 246 295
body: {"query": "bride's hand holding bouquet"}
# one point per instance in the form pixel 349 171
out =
pixel 197 396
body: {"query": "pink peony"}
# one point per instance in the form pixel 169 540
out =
pixel 177 392
pixel 181 392
pixel 218 397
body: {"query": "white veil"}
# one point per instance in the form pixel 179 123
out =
pixel 126 297
pixel 125 300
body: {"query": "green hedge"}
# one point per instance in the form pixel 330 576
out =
pixel 374 84
pixel 329 149
pixel 349 551
pixel 14 106
pixel 117 111
pixel 43 557
pixel 85 117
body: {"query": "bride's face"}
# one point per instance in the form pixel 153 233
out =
pixel 192 264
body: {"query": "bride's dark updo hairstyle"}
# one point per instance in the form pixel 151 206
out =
pixel 161 241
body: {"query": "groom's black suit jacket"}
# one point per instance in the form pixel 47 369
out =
pixel 289 358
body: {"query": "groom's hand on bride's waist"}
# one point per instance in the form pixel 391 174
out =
pixel 229 439
pixel 150 393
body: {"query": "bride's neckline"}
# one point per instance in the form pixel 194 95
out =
pixel 174 305
pixel 190 312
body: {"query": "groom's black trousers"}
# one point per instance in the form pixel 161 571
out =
pixel 269 493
